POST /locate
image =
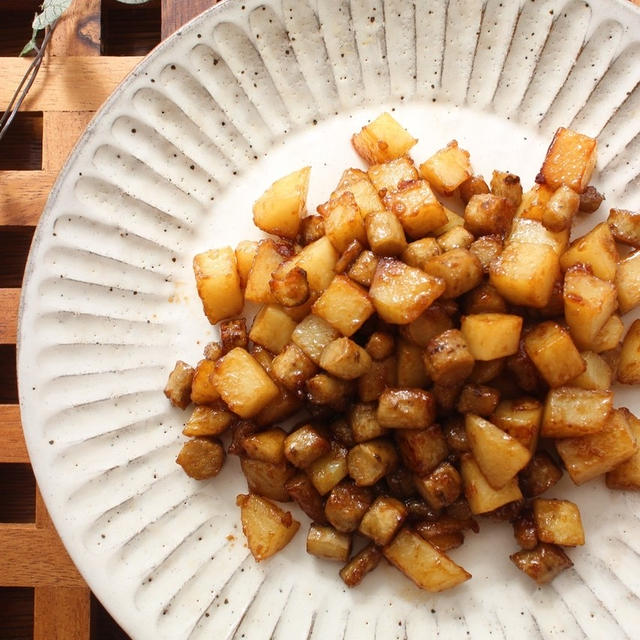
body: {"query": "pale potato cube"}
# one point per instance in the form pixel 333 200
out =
pixel 218 283
pixel 345 305
pixel 459 269
pixel 383 519
pixel 610 336
pixel 419 251
pixel 453 220
pixel 385 234
pixel 208 421
pixel 482 497
pixel 627 474
pixel 357 182
pixel 534 232
pixel 562 206
pixel 447 169
pixel 385 177
pixel 628 282
pixel 597 250
pixel 267 446
pixel 245 253
pixel 401 293
pixel 178 387
pixel 289 286
pixel 269 256
pixel 318 259
pixel 312 335
pixel 587 457
pixel 430 324
pixel 326 471
pixel 382 140
pixel 554 354
pixel 370 461
pixel 326 542
pixel 558 522
pixel 406 409
pixel 243 384
pixel 343 222
pixel 455 238
pixel 272 328
pixel 571 411
pixel 520 418
pixel 364 422
pixel 570 160
pixel 488 214
pixel 417 208
pixel 491 335
pixel 629 365
pixel 588 304
pixel 267 527
pixel 498 455
pixel 597 375
pixel 525 273
pixel 422 563
pixel 625 226
pixel 345 359
pixel 203 386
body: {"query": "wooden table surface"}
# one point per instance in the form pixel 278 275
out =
pixel 42 595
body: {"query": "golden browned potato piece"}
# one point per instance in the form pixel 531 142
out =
pixel 401 293
pixel 597 375
pixel 245 253
pixel 203 387
pixel 543 563
pixel 233 333
pixel 267 446
pixel 208 421
pixel 318 260
pixel 459 269
pixel 590 200
pixel 426 326
pixel 570 160
pixel 272 328
pixel 218 283
pixel 520 418
pixel 524 530
pixel 473 185
pixel 343 222
pixel 628 282
pixel 447 169
pixel 345 359
pixel 422 450
pixel 422 563
pixel 201 458
pixel 292 367
pixel 267 479
pixel 364 268
pixel 410 367
pixel 385 177
pixel 357 182
pixel 302 491
pixel 178 387
pixel 478 399
pixel 455 238
pixel 289 286
pixel 627 474
pixel 381 374
pixel 417 208
pixel 360 565
pixel 312 335
pixel 385 234
pixel 326 542
pixel 596 250
pixel 364 422
pixel 349 256
pixel 278 210
pixel 267 527
pixel 558 522
pixel 305 445
pixel 540 474
pixel 326 471
pixel 487 214
pixel 346 505
pixel 383 519
pixel 382 140
pixel 491 335
pixel 625 226
pixel 507 185
pixel 447 358
pixel 441 487
pixel 571 411
pixel 629 365
pixel 269 256
pixel 560 210
pixel 323 389
pixel 525 230
pixel 311 229
pixel 370 461
pixel 380 345
pixel 484 299
pixel 406 409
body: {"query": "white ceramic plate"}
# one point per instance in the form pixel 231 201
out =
pixel 170 166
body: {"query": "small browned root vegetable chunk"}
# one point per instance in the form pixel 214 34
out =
pixel 290 286
pixel 370 461
pixel 381 374
pixel 423 563
pixel 325 390
pixel 486 370
pixel 419 251
pixel 441 487
pixel 178 388
pixel 560 209
pixel 364 423
pixel 208 421
pixel 446 524
pixel 570 411
pixel 272 328
pixel 201 458
pixel 311 229
pixel 558 522
pixel 360 565
pixel 625 226
pixel 459 269
pixel 233 333
pixel 267 446
pixel 269 256
pixel 267 527
pixel 212 351
pixel 292 367
pixel 410 371
pixel 590 200
pixel 456 435
pixel 487 249
pixel 343 222
pixel 491 335
pixel 305 445
pixel 542 563
pixel 627 474
pixel 348 256
pixel 346 505
pixel 570 160
pixel 383 519
pixel 382 140
pixel 345 359
pixel 266 478
pixel 326 542
pixel 380 345
pixel 455 238
pixel 406 409
pixel 586 457
pixel 385 234
pixel 203 388
pixel 447 169
pixel 422 450
pixel 364 268
pixel 629 365
pixel 473 185
pixel 596 250
pixel 434 321
pixel 539 475
pixel 524 530
pixel 489 214
pixel 387 176
pixel 329 469
pixel 520 418
pixel 447 358
pixel 478 399
pixel 302 491
pixel 416 207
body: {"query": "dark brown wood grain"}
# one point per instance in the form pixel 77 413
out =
pixel 176 13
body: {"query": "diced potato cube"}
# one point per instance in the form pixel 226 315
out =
pixel 305 445
pixel 406 409
pixel 381 374
pixel 267 479
pixel 267 527
pixel 459 269
pixel 382 140
pixel 292 367
pixel 628 282
pixel 507 185
pixel 525 273
pixel 597 375
pixel 491 335
pixel 558 522
pixel 482 497
pixel 269 256
pixel 534 232
pixel 327 470
pixel 302 491
pixel 520 418
pixel 401 293
pixel 488 214
pixel 364 422
pixel 422 563
pixel 380 345
pixel 571 411
pixel 447 169
pixel 410 366
pixel 486 370
pixel 539 475
pixel 570 160
pixel 311 229
pixel 364 268
pixel 534 202
pixel 370 461
pixel 326 542
pixel 312 335
pixel 498 455
pixel 267 446
pixel 453 220
pixel 346 504
pixel 284 406
pixel 360 565
pixel 586 457
pixel 345 359
pixel 597 250
pixel 441 487
pixel 385 177
pixel 486 249
pixel 447 358
pixel 323 389
pixel 318 259
pixel 218 283
pixel 385 234
pixel 201 457
pixel 208 421
pixel 478 399
pixel 289 286
pixel 430 324
pixel 629 365
pixel 455 238
pixel 178 387
pixel 422 450
pixel 554 354
pixel 233 333
pixel 610 336
pixel 243 384
pixel 345 305
pixel 203 386
pixel 543 563
pixel 272 328
pixel 419 251
pixel 484 299
pixel 625 226
pixel 383 519
pixel 357 182
pixel 245 254
pixel 588 304
pixel 349 256
pixel 343 222
pixel 562 206
pixel 627 474
pixel 417 208
pixel 472 186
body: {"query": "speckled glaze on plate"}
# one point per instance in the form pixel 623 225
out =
pixel 170 166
